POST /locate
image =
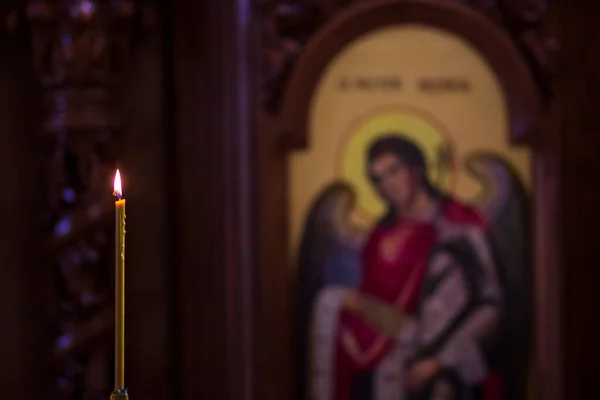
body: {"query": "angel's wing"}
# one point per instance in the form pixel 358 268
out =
pixel 328 255
pixel 506 204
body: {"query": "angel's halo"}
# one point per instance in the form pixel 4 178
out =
pixel 409 122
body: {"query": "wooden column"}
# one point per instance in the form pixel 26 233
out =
pixel 150 264
pixel 214 93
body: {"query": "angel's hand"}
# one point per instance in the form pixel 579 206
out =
pixel 421 373
pixel 385 318
pixel 352 302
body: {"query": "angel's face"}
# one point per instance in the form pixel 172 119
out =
pixel 393 179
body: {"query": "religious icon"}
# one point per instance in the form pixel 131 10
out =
pixel 428 300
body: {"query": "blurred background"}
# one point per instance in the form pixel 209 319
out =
pixel 186 99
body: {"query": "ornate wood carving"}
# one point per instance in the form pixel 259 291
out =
pixel 286 28
pixel 79 50
pixel 288 25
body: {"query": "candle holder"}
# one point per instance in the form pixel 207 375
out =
pixel 119 394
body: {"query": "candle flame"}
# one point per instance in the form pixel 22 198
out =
pixel 118 191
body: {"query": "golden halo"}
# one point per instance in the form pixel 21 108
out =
pixel 409 123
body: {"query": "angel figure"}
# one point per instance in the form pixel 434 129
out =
pixel 431 303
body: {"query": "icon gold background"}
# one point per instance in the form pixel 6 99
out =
pixel 343 121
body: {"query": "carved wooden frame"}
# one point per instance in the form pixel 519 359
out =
pixel 287 131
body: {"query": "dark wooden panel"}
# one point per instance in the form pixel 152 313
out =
pixel 579 94
pixel 24 331
pixel 547 295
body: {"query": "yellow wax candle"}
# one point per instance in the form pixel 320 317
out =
pixel 119 284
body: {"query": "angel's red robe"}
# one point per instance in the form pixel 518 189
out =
pixel 396 280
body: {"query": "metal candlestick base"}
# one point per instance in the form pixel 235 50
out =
pixel 119 394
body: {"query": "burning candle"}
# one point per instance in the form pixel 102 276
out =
pixel 119 285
